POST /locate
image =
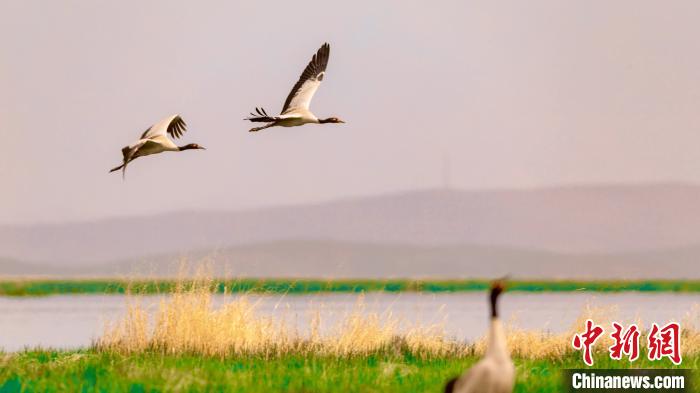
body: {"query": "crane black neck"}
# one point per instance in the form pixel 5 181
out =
pixel 495 292
pixel 190 146
pixel 329 120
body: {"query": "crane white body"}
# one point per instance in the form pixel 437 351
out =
pixel 494 373
pixel 295 118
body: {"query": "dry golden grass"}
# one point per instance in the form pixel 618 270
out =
pixel 690 339
pixel 186 321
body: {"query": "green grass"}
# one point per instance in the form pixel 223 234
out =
pixel 89 371
pixel 51 287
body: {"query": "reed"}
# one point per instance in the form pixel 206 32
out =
pixel 186 322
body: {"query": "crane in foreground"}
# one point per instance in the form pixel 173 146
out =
pixel 494 373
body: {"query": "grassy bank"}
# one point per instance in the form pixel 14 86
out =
pixel 98 286
pixel 189 342
pixel 89 371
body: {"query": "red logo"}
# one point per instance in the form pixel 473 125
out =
pixel 661 342
pixel 586 340
pixel 665 342
pixel 625 343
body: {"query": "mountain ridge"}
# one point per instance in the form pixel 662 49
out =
pixel 332 259
pixel 605 219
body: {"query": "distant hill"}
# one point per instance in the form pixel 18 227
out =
pixel 328 259
pixel 542 232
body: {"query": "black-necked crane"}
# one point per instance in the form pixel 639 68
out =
pixel 155 140
pixel 494 373
pixel 295 111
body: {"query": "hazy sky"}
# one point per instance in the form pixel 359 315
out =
pixel 516 94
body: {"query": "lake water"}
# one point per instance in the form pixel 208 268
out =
pixel 73 321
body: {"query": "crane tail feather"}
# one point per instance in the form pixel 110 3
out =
pixel 260 115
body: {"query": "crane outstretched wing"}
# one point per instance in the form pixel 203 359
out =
pixel 309 81
pixel 173 125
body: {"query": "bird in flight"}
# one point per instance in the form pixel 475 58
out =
pixel 155 140
pixel 295 111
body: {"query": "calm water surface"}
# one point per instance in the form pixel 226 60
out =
pixel 74 321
